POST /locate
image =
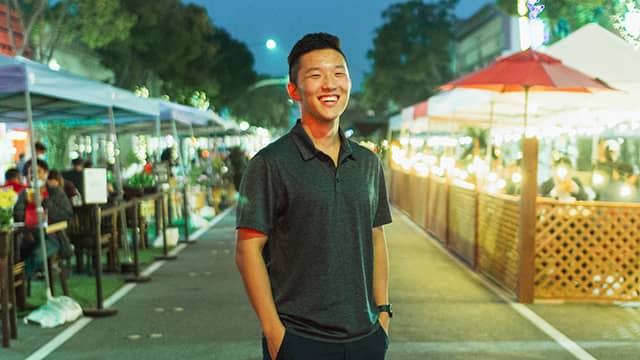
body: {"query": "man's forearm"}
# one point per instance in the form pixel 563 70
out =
pixel 380 267
pixel 256 282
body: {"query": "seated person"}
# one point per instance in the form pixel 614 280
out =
pixel 12 180
pixel 562 185
pixel 55 179
pixel 58 208
pixel 75 175
pixel 622 187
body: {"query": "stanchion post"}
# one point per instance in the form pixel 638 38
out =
pixel 165 251
pixel 185 215
pixel 99 311
pixel 136 277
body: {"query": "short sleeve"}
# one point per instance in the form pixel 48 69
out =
pixel 256 204
pixel 383 213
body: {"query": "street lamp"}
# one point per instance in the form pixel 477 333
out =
pixel 271 44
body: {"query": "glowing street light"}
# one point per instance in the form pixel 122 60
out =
pixel 271 44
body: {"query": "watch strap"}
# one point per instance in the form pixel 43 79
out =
pixel 386 308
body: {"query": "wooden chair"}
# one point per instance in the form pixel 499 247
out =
pixel 21 282
pixel 86 226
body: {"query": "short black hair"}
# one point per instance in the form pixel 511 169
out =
pixel 27 166
pixel 563 161
pixel 55 175
pixel 40 146
pixel 77 161
pixel 309 43
pixel 11 174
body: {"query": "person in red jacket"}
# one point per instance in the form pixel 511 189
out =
pixel 12 180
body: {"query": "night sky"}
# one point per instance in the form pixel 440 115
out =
pixel 354 21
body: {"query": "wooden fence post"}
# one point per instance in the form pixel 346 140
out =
pixel 528 195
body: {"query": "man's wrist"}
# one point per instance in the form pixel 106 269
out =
pixel 272 327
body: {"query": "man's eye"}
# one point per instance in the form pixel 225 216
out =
pixel 315 76
pixel 341 74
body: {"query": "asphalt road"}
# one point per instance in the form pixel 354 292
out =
pixel 195 308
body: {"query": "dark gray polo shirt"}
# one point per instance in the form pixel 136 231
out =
pixel 319 220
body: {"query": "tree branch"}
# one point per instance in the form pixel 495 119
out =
pixel 12 40
pixel 55 32
pixel 32 21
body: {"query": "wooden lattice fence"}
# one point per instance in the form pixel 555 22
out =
pixel 462 219
pixel 498 233
pixel 436 222
pixel 587 251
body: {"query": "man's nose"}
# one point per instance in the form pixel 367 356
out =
pixel 329 82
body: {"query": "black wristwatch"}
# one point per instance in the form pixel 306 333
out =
pixel 386 308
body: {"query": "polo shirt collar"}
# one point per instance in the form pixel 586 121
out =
pixel 308 150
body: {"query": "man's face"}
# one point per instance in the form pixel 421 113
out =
pixel 323 85
pixel 42 175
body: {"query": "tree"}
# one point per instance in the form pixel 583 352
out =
pixel 91 23
pixel 410 54
pixel 267 106
pixel 233 66
pixel 166 50
pixel 27 12
pixel 565 16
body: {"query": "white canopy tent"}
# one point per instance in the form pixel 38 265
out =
pixel 601 54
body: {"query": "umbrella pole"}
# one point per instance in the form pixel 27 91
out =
pixel 38 199
pixel 489 143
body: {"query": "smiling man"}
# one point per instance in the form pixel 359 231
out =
pixel 311 247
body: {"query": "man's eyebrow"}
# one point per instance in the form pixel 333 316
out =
pixel 318 68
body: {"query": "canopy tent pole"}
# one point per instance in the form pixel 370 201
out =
pixel 159 135
pixel 185 203
pixel 36 186
pixel 165 251
pixel 119 188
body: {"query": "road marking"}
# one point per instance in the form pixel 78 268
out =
pixel 521 309
pixel 480 348
pixel 75 328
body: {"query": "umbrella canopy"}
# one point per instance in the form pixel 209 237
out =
pixel 521 72
pixel 530 70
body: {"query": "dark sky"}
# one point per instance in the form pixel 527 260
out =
pixel 354 21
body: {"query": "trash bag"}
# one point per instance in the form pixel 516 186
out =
pixel 172 238
pixel 55 312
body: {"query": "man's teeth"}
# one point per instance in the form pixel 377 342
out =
pixel 329 98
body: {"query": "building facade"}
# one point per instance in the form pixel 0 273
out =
pixel 5 41
pixel 480 39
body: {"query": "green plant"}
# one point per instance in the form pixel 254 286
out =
pixel 7 200
pixel 57 146
pixel 142 179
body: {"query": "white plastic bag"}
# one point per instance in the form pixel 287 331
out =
pixel 55 312
pixel 172 238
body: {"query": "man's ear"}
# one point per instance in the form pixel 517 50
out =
pixel 292 89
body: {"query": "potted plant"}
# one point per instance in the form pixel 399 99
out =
pixel 7 200
pixel 141 182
